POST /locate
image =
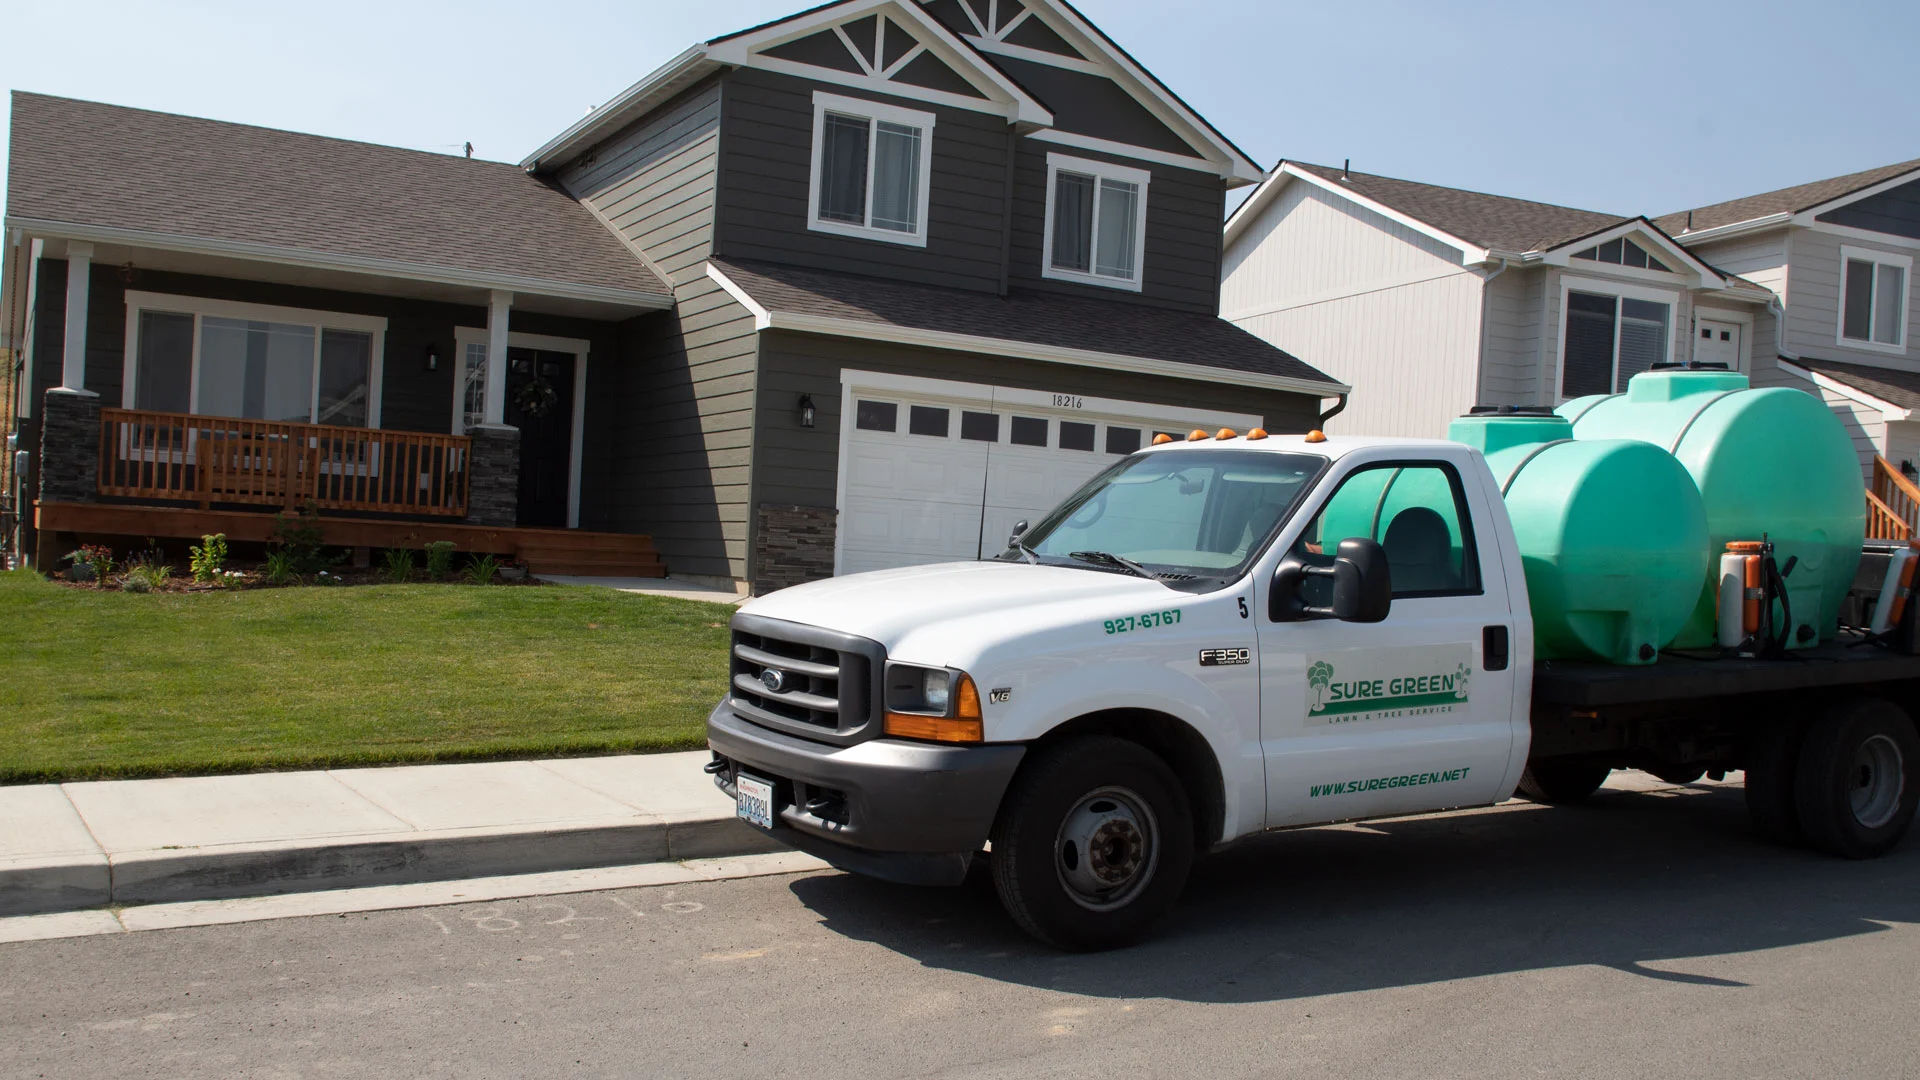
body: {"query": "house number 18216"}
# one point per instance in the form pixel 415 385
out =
pixel 1068 401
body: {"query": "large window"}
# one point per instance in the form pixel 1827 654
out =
pixel 1610 335
pixel 1873 300
pixel 871 166
pixel 1096 222
pixel 219 358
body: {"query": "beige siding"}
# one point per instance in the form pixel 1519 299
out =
pixel 1511 372
pixel 653 182
pixel 1864 425
pixel 1364 299
pixel 1902 442
pixel 1813 302
pixel 1761 259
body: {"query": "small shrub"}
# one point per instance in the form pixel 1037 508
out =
pixel 481 570
pixel 327 577
pixel 97 558
pixel 300 538
pixel 399 565
pixel 145 576
pixel 209 559
pixel 439 559
pixel 279 568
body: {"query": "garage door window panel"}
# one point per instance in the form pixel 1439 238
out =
pixel 1122 440
pixel 1029 431
pixel 876 416
pixel 980 427
pixel 928 420
pixel 1075 435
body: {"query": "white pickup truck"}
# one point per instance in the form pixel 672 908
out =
pixel 1090 720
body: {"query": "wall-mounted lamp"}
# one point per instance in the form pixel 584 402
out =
pixel 806 410
pixel 433 358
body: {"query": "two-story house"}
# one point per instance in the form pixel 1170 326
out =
pixel 856 288
pixel 1431 299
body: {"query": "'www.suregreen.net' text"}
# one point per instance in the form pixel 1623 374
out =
pixel 1381 783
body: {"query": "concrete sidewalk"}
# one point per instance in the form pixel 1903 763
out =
pixel 70 846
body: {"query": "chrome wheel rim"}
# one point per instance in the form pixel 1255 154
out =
pixel 1877 781
pixel 1107 848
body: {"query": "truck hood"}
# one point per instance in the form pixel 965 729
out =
pixel 885 605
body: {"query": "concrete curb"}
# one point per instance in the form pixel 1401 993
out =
pixel 70 883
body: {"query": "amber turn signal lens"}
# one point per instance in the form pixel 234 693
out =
pixel 1196 435
pixel 1163 437
pixel 936 728
pixel 1256 433
pixel 1226 433
pixel 966 699
pixel 1316 435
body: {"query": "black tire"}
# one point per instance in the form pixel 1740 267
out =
pixel 1677 774
pixel 1143 821
pixel 1858 780
pixel 1562 782
pixel 1771 761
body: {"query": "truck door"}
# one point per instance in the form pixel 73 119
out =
pixel 1412 713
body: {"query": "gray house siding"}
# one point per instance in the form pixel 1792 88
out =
pixel 1895 211
pixel 676 436
pixel 1095 106
pixel 654 181
pixel 1182 254
pixel 800 466
pixel 1813 300
pixel 766 155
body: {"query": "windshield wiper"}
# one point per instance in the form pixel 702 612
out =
pixel 1108 558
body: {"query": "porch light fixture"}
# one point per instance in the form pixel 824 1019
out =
pixel 806 410
pixel 433 358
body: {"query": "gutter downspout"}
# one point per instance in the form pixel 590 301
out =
pixel 1480 359
pixel 1338 407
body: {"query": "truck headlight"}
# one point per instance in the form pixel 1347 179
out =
pixel 932 703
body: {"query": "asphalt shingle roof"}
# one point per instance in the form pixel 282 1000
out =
pixel 1787 200
pixel 1023 315
pixel 1492 221
pixel 86 163
pixel 1900 388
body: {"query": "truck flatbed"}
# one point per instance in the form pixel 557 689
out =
pixel 1846 661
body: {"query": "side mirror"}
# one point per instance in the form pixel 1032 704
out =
pixel 1019 530
pixel 1362 585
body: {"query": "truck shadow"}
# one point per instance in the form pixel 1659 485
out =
pixel 1639 882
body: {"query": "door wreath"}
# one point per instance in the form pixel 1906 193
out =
pixel 536 397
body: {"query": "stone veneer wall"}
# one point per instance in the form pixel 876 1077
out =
pixel 69 446
pixel 792 545
pixel 493 477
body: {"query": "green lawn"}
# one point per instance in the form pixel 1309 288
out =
pixel 98 684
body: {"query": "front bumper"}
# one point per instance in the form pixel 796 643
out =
pixel 890 808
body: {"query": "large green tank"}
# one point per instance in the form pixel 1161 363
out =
pixel 1771 462
pixel 1612 535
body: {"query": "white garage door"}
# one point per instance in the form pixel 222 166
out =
pixel 933 471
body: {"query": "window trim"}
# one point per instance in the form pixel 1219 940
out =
pixel 873 111
pixel 1619 290
pixel 201 307
pixel 1878 259
pixel 1099 170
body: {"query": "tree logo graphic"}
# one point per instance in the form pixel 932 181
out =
pixel 1460 682
pixel 1319 676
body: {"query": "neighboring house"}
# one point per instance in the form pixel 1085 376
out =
pixel 856 288
pixel 1431 300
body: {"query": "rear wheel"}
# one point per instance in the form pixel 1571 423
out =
pixel 1858 779
pixel 1561 782
pixel 1093 843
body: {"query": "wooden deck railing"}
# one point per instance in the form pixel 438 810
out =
pixel 1893 503
pixel 213 459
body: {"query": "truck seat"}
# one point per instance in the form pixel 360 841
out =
pixel 1420 552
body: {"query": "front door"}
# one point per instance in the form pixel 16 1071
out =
pixel 1368 719
pixel 540 404
pixel 1717 342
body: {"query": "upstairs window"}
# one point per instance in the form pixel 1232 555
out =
pixel 1621 251
pixel 1873 300
pixel 871 169
pixel 1096 222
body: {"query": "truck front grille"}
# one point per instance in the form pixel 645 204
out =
pixel 779 680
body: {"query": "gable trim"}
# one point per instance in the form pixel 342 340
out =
pixel 1562 254
pixel 1117 149
pixel 1887 409
pixel 1036 56
pixel 1852 232
pixel 1285 172
pixel 1807 215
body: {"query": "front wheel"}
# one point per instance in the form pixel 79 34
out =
pixel 1561 782
pixel 1093 843
pixel 1858 780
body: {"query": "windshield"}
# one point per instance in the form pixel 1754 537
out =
pixel 1204 513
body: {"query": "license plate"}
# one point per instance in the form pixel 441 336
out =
pixel 754 801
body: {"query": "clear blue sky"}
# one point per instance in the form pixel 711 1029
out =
pixel 1627 106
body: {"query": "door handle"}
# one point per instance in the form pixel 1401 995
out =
pixel 1493 648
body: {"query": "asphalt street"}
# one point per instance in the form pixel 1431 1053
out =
pixel 1645 934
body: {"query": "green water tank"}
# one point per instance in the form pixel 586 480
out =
pixel 1772 462
pixel 1612 535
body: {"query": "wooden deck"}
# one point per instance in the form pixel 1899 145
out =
pixel 546 551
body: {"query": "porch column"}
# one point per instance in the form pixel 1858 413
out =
pixel 73 369
pixel 498 307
